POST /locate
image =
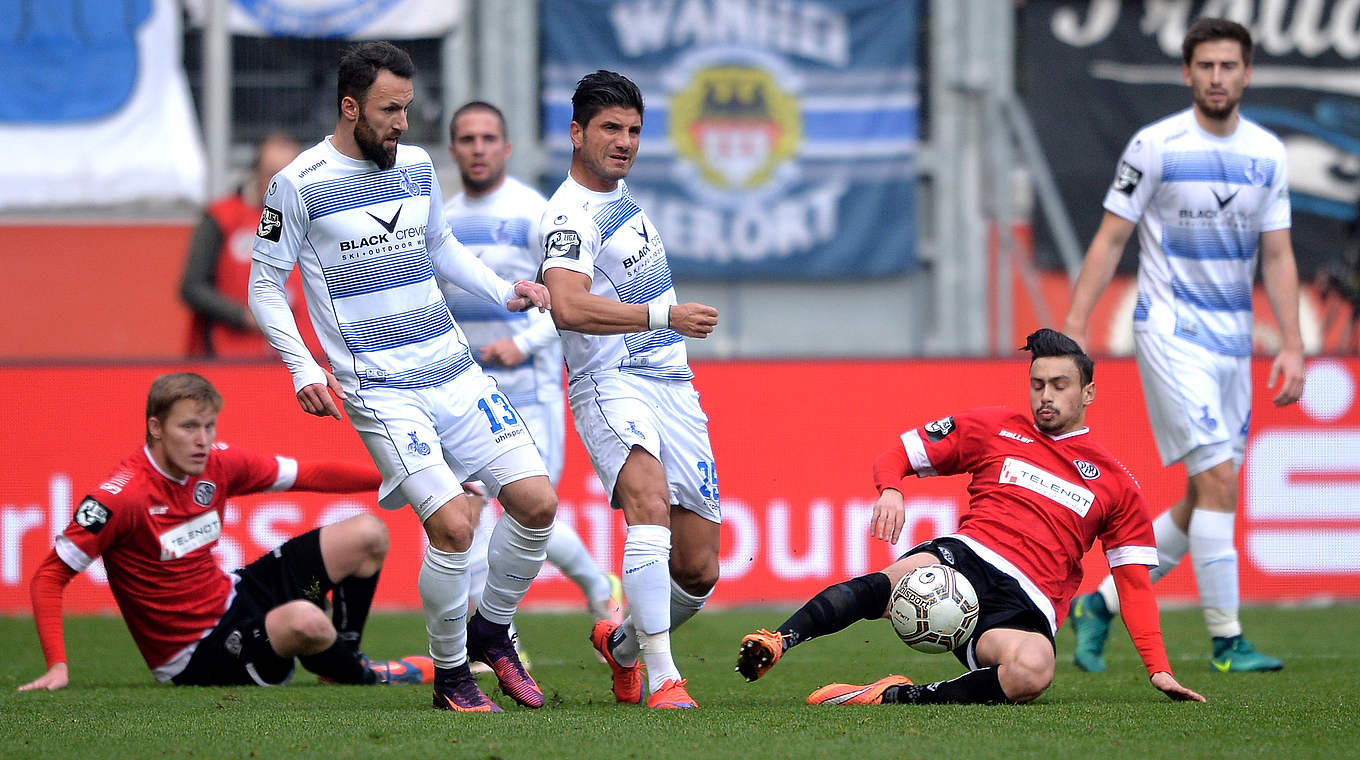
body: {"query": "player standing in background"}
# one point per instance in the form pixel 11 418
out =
pixel 634 405
pixel 1206 189
pixel 363 217
pixel 1042 492
pixel 217 268
pixel 496 217
pixel 155 522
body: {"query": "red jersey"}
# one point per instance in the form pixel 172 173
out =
pixel 156 535
pixel 238 221
pixel 1036 502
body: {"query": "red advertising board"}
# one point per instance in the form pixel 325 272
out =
pixel 794 442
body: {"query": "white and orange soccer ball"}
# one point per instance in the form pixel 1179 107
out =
pixel 934 609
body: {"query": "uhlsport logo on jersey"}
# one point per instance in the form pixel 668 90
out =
pixel 736 124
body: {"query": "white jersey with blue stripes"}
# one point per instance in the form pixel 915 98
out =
pixel 501 229
pixel 364 239
pixel 1201 203
pixel 608 238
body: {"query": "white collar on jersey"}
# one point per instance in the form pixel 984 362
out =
pixel 1064 436
pixel 167 475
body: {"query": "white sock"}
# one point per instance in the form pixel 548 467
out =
pixel 444 597
pixel 1172 544
pixel 514 556
pixel 569 555
pixel 647 586
pixel 481 540
pixel 684 605
pixel 1108 593
pixel 656 652
pixel 1215 558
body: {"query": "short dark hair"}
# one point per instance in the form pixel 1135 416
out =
pixel 601 90
pixel 178 386
pixel 1210 29
pixel 360 64
pixel 475 105
pixel 1046 342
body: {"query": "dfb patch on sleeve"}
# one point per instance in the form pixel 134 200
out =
pixel 92 516
pixel 939 428
pixel 563 244
pixel 1127 178
pixel 271 225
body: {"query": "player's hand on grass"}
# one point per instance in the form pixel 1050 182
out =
pixel 529 294
pixel 889 516
pixel 502 353
pixel 1167 685
pixel 55 678
pixel 693 320
pixel 315 398
pixel 1287 368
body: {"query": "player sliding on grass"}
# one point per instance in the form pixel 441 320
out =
pixel 1041 493
pixel 155 522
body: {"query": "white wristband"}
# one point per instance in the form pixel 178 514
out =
pixel 658 316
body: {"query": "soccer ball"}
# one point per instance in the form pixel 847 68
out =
pixel 934 609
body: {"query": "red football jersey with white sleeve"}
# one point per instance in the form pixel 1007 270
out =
pixel 1036 502
pixel 156 536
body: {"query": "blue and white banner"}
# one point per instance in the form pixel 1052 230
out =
pixel 779 139
pixel 353 19
pixel 94 106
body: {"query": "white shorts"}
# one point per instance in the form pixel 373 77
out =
pixel 1199 401
pixel 547 424
pixel 426 442
pixel 616 411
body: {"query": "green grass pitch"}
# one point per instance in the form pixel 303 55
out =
pixel 115 710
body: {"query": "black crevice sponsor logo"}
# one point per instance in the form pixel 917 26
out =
pixel 1224 201
pixel 389 226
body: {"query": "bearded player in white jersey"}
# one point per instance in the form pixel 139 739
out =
pixel 634 406
pixel 1206 190
pixel 496 217
pixel 363 218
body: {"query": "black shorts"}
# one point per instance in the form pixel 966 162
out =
pixel 1001 601
pixel 237 650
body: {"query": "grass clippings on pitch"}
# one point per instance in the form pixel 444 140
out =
pixel 114 709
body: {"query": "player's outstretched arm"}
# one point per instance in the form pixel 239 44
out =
pixel 1167 684
pixel 575 308
pixel 1102 257
pixel 269 304
pixel 46 591
pixel 1138 608
pixel 1280 275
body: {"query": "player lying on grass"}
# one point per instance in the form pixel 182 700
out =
pixel 155 522
pixel 1042 492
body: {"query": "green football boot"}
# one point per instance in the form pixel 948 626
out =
pixel 1091 623
pixel 1234 654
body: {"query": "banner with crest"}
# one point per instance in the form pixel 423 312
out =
pixel 779 139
